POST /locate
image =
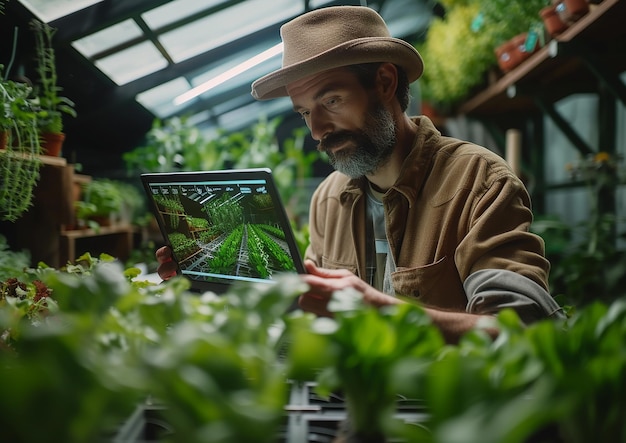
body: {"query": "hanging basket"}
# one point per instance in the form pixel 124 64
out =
pixel 19 174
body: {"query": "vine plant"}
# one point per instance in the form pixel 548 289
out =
pixel 19 160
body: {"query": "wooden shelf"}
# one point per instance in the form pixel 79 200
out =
pixel 103 230
pixel 45 159
pixel 558 68
pixel 117 240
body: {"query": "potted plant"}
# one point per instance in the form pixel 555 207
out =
pixel 102 200
pixel 552 21
pixel 513 52
pixel 571 10
pixel 52 105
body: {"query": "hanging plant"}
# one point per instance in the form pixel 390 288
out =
pixel 19 159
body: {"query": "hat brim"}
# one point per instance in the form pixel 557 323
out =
pixel 363 50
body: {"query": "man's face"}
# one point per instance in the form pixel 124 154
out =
pixel 353 128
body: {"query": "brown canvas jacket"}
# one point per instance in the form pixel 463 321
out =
pixel 457 208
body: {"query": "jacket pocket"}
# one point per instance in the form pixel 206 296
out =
pixel 436 284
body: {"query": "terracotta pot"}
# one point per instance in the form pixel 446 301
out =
pixel 52 144
pixel 513 52
pixel 571 10
pixel 552 22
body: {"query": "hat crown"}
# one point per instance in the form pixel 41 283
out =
pixel 323 29
pixel 334 37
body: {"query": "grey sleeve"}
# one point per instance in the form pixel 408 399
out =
pixel 491 290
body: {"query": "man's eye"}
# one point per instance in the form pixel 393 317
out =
pixel 304 114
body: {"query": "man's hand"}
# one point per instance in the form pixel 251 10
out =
pixel 167 266
pixel 323 282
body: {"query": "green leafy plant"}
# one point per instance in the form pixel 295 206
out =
pixel 551 381
pixel 456 56
pixel 175 144
pixel 363 354
pixel 12 263
pixel 506 19
pixel 220 368
pixel 105 195
pixel 114 342
pixel 587 261
pixel 170 145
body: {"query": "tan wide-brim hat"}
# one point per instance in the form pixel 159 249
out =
pixel 332 37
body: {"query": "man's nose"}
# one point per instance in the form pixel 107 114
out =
pixel 320 125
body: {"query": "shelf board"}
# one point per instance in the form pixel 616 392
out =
pixel 45 159
pixel 103 230
pixel 548 74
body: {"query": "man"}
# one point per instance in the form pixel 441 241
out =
pixel 407 212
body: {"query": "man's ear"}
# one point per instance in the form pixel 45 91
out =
pixel 387 81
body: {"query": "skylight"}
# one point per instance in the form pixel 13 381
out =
pixel 49 10
pixel 225 26
pixel 176 10
pixel 132 63
pixel 108 38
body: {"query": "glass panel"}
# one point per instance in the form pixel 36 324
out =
pixel 227 25
pixel 176 10
pixel 314 4
pixel 132 63
pixel 107 38
pixel 248 115
pixel 246 77
pixel 49 10
pixel 160 100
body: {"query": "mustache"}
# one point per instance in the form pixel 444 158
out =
pixel 338 138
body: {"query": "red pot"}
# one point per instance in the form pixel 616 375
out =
pixel 552 21
pixel 52 143
pixel 571 10
pixel 513 52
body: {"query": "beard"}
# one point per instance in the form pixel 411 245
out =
pixel 366 150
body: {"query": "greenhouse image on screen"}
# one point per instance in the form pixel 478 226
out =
pixel 223 230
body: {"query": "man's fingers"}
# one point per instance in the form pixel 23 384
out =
pixel 163 254
pixel 313 269
pixel 167 266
